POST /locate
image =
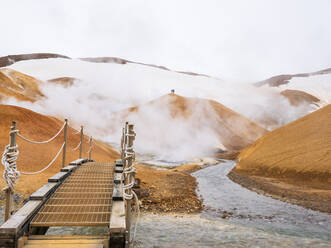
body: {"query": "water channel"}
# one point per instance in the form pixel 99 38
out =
pixel 252 220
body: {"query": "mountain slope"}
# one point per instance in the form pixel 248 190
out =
pixel 298 149
pixel 18 85
pixel 291 163
pixel 298 97
pixel 34 157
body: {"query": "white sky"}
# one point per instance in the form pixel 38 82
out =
pixel 237 39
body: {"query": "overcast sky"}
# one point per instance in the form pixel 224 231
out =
pixel 237 39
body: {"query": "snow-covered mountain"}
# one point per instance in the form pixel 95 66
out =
pixel 90 92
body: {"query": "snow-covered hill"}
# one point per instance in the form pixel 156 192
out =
pixel 317 84
pixel 100 89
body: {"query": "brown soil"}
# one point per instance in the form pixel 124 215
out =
pixel 228 155
pixel 168 190
pixel 18 85
pixel 295 157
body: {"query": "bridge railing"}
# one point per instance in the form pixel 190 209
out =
pixel 11 173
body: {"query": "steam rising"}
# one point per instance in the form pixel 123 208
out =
pixel 105 89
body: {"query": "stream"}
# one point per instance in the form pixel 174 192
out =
pixel 251 220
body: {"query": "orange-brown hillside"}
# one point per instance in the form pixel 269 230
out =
pixel 300 148
pixel 18 85
pixel 233 130
pixel 291 163
pixel 34 157
pixel 298 97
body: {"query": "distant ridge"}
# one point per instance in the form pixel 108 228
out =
pixel 11 59
pixel 276 81
pixel 125 61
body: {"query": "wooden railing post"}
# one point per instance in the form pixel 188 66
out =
pixel 125 142
pixel 90 150
pixel 129 149
pixel 9 193
pixel 65 143
pixel 122 144
pixel 81 141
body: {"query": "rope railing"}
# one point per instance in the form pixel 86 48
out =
pixel 41 142
pixel 9 157
pixel 89 150
pixel 47 166
pixel 89 141
pixel 74 149
pixel 10 154
pixel 75 133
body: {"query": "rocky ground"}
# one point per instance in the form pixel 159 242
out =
pixel 174 190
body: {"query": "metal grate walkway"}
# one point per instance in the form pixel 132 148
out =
pixel 83 199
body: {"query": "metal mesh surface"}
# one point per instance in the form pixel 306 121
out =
pixel 83 199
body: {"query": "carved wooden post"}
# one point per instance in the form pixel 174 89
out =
pixel 129 151
pixel 125 142
pixel 90 150
pixel 122 144
pixel 65 143
pixel 8 191
pixel 9 201
pixel 81 141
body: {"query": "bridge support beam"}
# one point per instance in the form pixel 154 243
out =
pixel 117 226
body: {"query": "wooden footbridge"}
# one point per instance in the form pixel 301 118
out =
pixel 83 193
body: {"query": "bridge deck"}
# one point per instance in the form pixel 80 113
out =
pixel 83 199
